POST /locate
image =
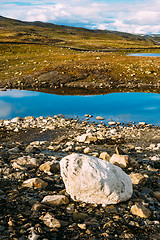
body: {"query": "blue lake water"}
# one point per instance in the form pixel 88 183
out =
pixel 121 107
pixel 145 54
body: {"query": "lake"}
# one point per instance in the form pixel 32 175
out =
pixel 145 54
pixel 123 107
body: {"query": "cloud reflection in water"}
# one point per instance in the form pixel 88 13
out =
pixel 17 93
pixel 121 107
pixel 5 109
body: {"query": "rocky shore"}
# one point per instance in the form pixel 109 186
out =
pixel 33 198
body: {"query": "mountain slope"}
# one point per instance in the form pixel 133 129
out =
pixel 14 30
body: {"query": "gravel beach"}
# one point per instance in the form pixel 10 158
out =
pixel 30 152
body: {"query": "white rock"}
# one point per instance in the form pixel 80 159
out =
pixel 16 129
pixel 113 131
pixel 88 137
pixel 152 145
pixel 99 118
pixel 93 180
pixel 15 120
pixel 112 123
pixel 155 158
pixel 82 138
pixel 142 123
pixel 6 122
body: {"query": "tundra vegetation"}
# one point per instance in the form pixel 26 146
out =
pixel 81 58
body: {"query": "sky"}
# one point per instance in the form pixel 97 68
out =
pixel 133 16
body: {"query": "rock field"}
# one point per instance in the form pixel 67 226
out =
pixel 34 200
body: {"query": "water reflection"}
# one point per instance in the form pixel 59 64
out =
pixel 17 94
pixel 121 107
pixel 5 109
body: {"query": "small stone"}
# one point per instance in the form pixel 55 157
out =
pixel 131 147
pixel 120 160
pixel 155 158
pixel 25 161
pixel 34 183
pixel 82 226
pixel 33 235
pixel 82 138
pixel 78 148
pixel 119 151
pixel 16 120
pixel 79 216
pixel 49 167
pixel 32 149
pixel 91 138
pixel 142 123
pixel 112 123
pixel 37 206
pixel 95 154
pixel 87 150
pixel 152 145
pixel 55 200
pixel 113 131
pixel 50 221
pixel 138 178
pixel 140 210
pixel 11 223
pixel 105 156
pixel 88 137
pixel 157 195
pixel 99 118
pixel 16 129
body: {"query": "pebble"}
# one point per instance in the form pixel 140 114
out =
pixel 55 200
pixel 157 195
pixel 34 183
pixel 50 221
pixel 105 156
pixel 140 211
pixel 112 123
pixel 99 118
pixel 138 178
pixel 120 160
pixel 87 150
pixel 49 167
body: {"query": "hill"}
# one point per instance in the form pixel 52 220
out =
pixel 37 55
pixel 12 30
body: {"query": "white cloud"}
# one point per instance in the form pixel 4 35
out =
pixel 132 16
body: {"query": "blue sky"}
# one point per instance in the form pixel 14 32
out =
pixel 134 16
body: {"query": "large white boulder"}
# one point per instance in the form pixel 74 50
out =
pixel 94 180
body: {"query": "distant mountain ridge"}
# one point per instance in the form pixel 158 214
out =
pixel 23 31
pixel 13 22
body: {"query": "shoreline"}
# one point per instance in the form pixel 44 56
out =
pixel 85 90
pixel 48 140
